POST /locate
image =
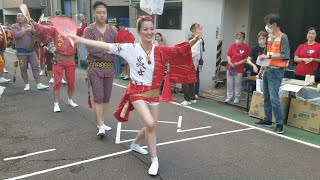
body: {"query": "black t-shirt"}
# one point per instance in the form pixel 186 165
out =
pixel 254 53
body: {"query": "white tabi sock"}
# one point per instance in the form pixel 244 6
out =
pixel 153 170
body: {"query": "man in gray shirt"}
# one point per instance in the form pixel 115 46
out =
pixel 278 53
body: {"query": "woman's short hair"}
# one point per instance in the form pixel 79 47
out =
pixel 263 34
pixel 242 34
pixel 310 29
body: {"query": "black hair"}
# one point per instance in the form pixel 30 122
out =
pixel 192 26
pixel 99 3
pixel 272 18
pixel 159 35
pixel 310 29
pixel 242 34
pixel 141 20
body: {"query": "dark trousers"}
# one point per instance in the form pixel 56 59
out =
pixel 188 91
pixel 197 84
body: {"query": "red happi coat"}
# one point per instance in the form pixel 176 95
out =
pixel 182 70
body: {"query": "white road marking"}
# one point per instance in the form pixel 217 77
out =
pixel 167 122
pixel 124 141
pixel 118 133
pixel 194 129
pixel 179 122
pixel 1 90
pixel 244 124
pixel 130 130
pixel 123 152
pixel 27 155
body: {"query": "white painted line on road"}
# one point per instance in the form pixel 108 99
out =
pixel 130 130
pixel 1 90
pixel 119 85
pixel 123 152
pixel 27 155
pixel 244 124
pixel 167 122
pixel 179 122
pixel 124 141
pixel 251 126
pixel 203 136
pixel 194 129
pixel 118 133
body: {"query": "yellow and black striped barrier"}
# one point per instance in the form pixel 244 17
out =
pixel 219 52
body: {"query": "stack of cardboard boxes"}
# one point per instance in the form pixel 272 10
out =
pixel 300 114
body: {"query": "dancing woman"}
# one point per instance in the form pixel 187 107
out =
pixel 147 63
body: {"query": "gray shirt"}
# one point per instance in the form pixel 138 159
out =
pixel 284 47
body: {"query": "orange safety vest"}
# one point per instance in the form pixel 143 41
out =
pixel 274 49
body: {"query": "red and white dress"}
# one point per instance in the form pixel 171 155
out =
pixel 147 78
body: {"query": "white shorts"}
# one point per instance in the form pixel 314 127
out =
pixel 152 103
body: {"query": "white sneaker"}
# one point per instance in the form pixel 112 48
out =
pixel 107 128
pixel 56 107
pixel 63 81
pixel 185 103
pixel 228 100
pixel 197 97
pixel 51 80
pixel 4 70
pixel 153 170
pixel 121 75
pixel 27 87
pixel 42 73
pixel 4 80
pixel 193 101
pixel 41 86
pixel 126 77
pixel 138 149
pixel 236 100
pixel 71 103
pixel 101 132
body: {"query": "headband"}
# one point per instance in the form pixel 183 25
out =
pixel 146 18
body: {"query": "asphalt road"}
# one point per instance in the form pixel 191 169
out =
pixel 204 147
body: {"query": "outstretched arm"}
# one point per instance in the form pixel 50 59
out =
pixel 198 35
pixel 93 43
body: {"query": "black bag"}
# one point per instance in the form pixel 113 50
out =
pixel 201 51
pixel 316 71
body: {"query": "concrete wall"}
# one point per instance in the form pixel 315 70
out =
pixel 11 3
pixel 33 3
pixel 208 13
pixel 236 19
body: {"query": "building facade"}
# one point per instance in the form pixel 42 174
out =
pixel 221 20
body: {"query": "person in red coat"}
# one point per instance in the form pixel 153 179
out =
pixel 147 63
pixel 64 58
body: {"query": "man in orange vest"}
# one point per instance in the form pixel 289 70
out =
pixel 278 54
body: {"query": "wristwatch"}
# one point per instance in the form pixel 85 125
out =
pixel 270 56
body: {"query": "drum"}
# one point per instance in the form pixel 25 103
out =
pixel 6 38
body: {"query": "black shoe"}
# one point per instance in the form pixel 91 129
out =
pixel 263 123
pixel 279 129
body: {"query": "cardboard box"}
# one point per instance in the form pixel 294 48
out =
pixel 257 107
pixel 304 115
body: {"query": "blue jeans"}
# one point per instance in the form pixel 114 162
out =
pixel 197 84
pixel 272 79
pixel 117 65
